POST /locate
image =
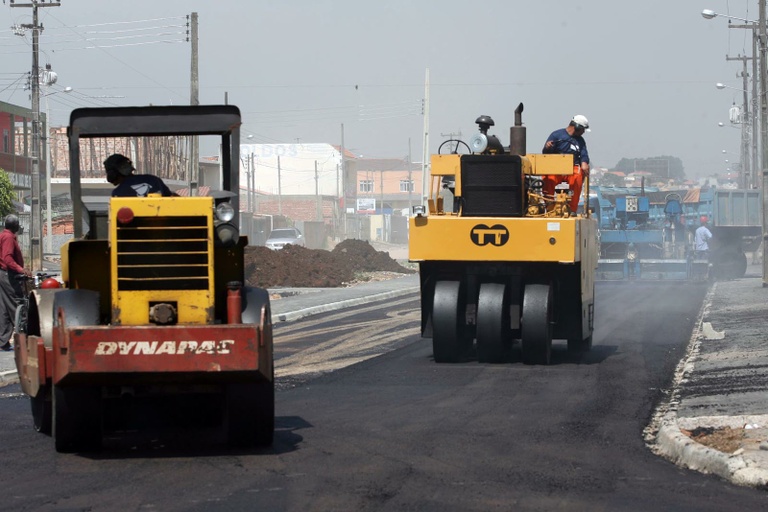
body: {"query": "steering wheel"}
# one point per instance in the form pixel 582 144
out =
pixel 458 143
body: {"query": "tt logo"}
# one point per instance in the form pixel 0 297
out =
pixel 495 235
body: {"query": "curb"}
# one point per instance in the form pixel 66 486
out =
pixel 334 306
pixel 682 450
pixel 664 437
pixel 8 378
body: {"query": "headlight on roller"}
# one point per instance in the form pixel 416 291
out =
pixel 225 212
pixel 227 234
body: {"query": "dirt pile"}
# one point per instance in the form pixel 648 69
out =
pixel 299 267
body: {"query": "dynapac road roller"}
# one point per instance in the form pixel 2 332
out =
pixel 154 326
pixel 504 261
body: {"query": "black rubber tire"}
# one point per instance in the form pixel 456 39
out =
pixel 728 263
pixel 739 268
pixel 450 339
pixel 42 411
pixel 250 414
pixel 77 418
pixel 536 328
pixel 493 323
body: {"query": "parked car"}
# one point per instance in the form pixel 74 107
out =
pixel 279 238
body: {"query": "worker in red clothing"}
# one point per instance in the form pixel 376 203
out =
pixel 569 140
pixel 11 265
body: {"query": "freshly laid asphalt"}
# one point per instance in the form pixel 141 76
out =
pixel 290 304
pixel 720 385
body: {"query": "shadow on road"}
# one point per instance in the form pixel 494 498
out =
pixel 560 355
pixel 193 442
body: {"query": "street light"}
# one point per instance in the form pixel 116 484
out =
pixel 709 14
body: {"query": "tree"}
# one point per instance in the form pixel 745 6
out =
pixel 611 180
pixel 660 166
pixel 6 194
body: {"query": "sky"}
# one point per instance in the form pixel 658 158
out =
pixel 312 71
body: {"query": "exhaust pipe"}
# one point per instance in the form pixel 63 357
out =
pixel 517 134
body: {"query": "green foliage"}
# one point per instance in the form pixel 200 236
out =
pixel 658 165
pixel 6 194
pixel 611 180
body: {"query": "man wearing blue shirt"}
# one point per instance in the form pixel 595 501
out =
pixel 569 140
pixel 127 184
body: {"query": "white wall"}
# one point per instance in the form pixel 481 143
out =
pixel 297 168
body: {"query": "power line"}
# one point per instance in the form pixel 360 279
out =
pixel 112 56
pixel 95 47
pixel 122 22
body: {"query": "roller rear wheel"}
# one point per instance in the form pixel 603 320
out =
pixel 450 338
pixel 42 410
pixel 536 329
pixel 77 418
pixel 493 324
pixel 250 414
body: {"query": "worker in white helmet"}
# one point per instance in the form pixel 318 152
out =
pixel 569 140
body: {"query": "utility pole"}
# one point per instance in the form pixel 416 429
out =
pixel 338 203
pixel 343 189
pixel 410 180
pixel 252 184
pixel 755 144
pixel 756 164
pixel 248 172
pixel 318 210
pixel 425 150
pixel 745 167
pixel 279 189
pixel 194 99
pixel 451 136
pixel 35 224
pixel 764 134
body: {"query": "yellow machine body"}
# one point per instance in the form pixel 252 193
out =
pixel 553 240
pixel 165 255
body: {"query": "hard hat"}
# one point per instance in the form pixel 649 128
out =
pixel 580 121
pixel 703 218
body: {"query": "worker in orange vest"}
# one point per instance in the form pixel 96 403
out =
pixel 569 140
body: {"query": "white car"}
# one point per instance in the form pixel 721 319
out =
pixel 279 238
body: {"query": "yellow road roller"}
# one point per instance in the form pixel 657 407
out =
pixel 499 259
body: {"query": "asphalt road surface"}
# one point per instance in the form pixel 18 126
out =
pixel 367 421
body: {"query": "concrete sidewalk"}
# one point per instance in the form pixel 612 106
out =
pixel 290 304
pixel 720 392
